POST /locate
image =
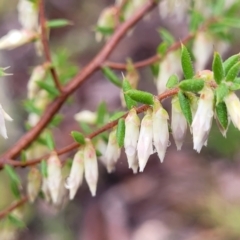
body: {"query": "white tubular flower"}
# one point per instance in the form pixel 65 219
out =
pixel 34 184
pixel 38 74
pixel 54 176
pixel 202 120
pixel 233 108
pixel 28 14
pixel 101 146
pixel 160 129
pixel 202 49
pixel 178 123
pixel 86 116
pixel 145 145
pixel 16 38
pixel 106 20
pixel 90 166
pixel 75 179
pixel 132 124
pixel 170 65
pixel 113 151
pixel 4 116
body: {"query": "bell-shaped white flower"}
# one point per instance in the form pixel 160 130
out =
pixel 202 120
pixel 16 38
pixel 145 142
pixel 160 129
pixel 113 151
pixel 202 49
pixel 38 74
pixel 171 64
pixel 75 179
pixel 4 116
pixel 132 124
pixel 34 183
pixel 28 14
pixel 54 176
pixel 233 108
pixel 178 123
pixel 86 116
pixel 90 166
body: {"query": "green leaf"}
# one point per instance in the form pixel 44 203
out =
pixel 121 132
pixel 237 80
pixel 221 92
pixel 192 85
pixel 230 62
pixel 162 48
pixel 58 23
pixel 15 221
pixel 217 67
pixel 185 107
pixel 57 119
pixel 15 189
pixel 140 96
pixel 222 114
pixel 155 69
pixel 101 113
pixel 233 72
pixel 23 156
pixel 196 20
pixel 106 31
pixel 78 137
pixel 111 76
pixel 130 103
pixel 44 168
pixel 234 86
pixel 172 81
pixel 186 61
pixel 231 22
pixel 12 174
pixel 166 36
pixel 116 116
pixel 85 127
pixel 98 153
pixel 49 140
pixel 52 90
pixel 30 107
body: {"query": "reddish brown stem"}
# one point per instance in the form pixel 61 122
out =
pixel 15 205
pixel 44 40
pixel 85 73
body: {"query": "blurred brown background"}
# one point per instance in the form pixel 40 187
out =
pixel 189 197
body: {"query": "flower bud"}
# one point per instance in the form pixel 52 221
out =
pixel 145 146
pixel 160 129
pixel 233 108
pixel 113 151
pixel 74 181
pixel 16 38
pixel 28 14
pixel 86 116
pixel 54 176
pixel 38 74
pixel 4 116
pixel 202 121
pixel 34 183
pixel 90 166
pixel 178 123
pixel 170 65
pixel 132 124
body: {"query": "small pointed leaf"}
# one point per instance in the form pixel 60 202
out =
pixel 111 76
pixel 121 132
pixel 217 67
pixel 15 221
pixel 221 92
pixel 185 106
pixel 58 23
pixel 140 96
pixel 52 90
pixel 222 114
pixel 230 62
pixel 49 140
pixel 172 81
pixel 187 66
pixel 101 113
pixel 233 72
pixel 130 103
pixel 192 85
pixel 44 168
pixel 234 86
pixel 78 137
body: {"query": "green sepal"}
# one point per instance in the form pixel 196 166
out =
pixel 222 114
pixel 221 92
pixel 130 103
pixel 120 132
pixel 52 90
pixel 111 76
pixel 101 113
pixel 192 85
pixel 187 65
pixel 78 137
pixel 58 23
pixel 185 106
pixel 233 72
pixel 140 96
pixel 172 81
pixel 44 170
pixel 230 62
pixel 217 67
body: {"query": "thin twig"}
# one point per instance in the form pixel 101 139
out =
pixel 74 84
pixel 15 205
pixel 44 39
